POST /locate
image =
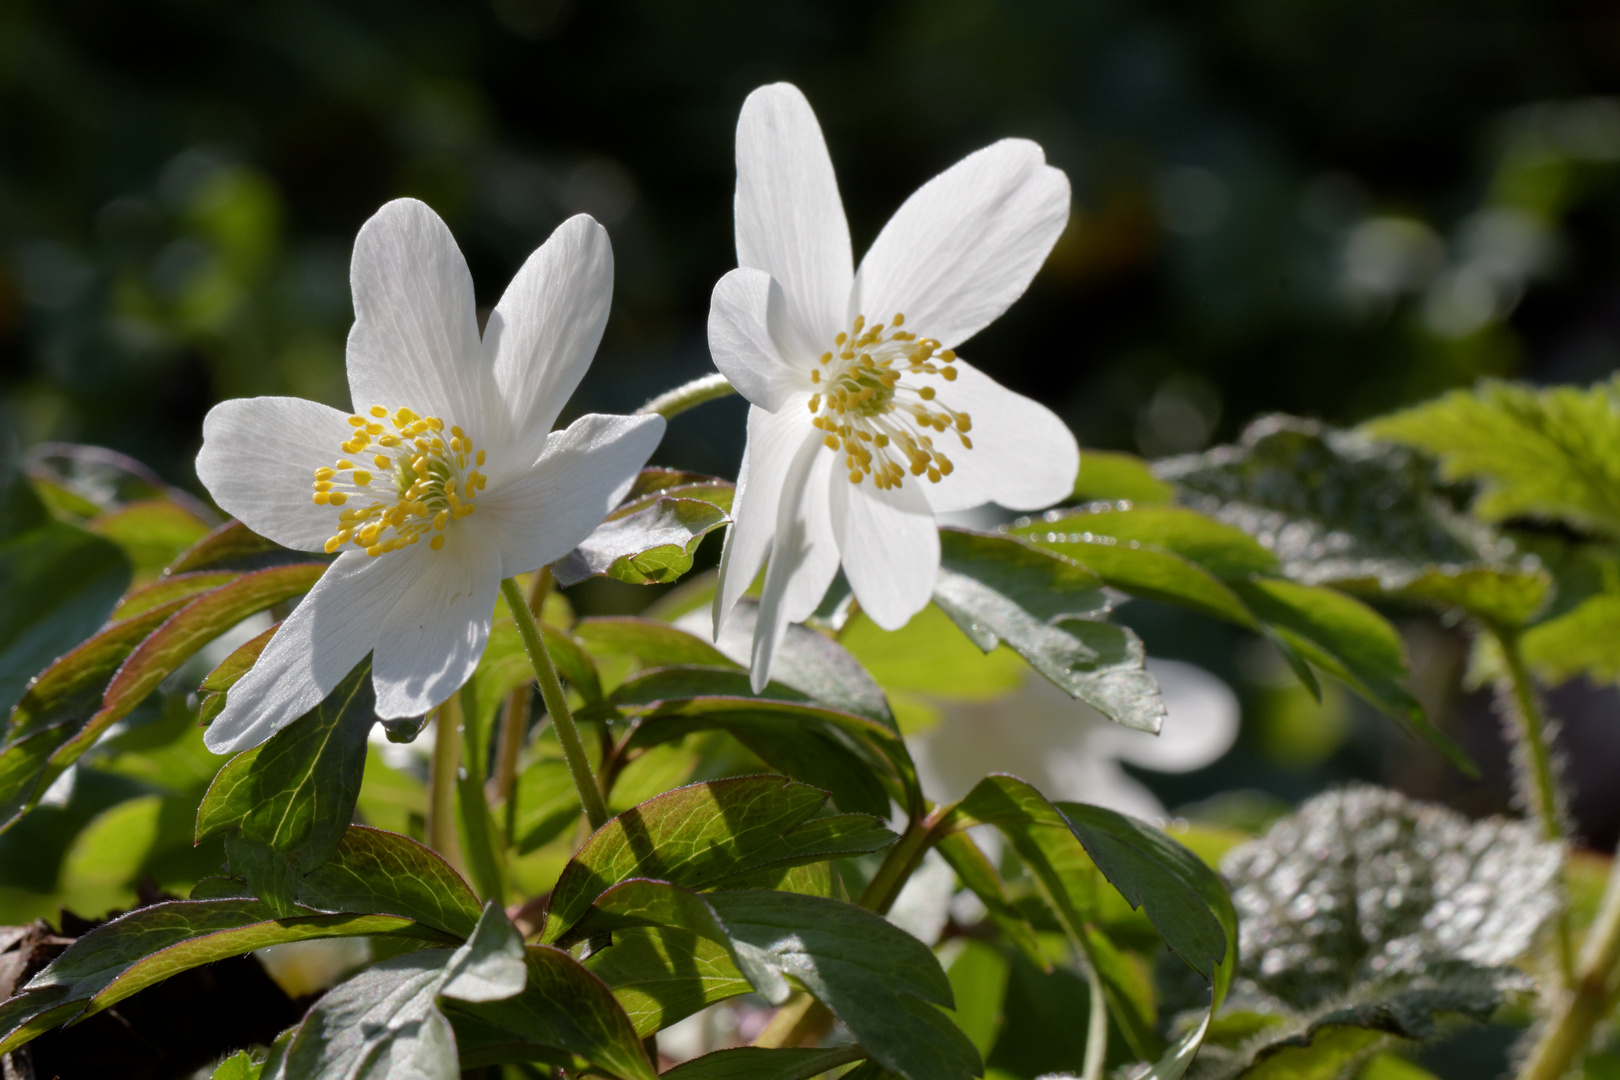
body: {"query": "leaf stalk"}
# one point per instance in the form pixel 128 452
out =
pixel 672 403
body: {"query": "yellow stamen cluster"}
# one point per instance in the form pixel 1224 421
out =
pixel 878 417
pixel 423 480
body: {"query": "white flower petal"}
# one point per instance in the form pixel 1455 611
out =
pixel 773 439
pixel 1024 457
pixel 258 461
pixel 542 335
pixel 432 640
pixel 539 517
pixel 748 319
pixel 804 556
pixel 415 337
pixel 966 244
pixel 328 633
pixel 1200 725
pixel 790 219
pixel 890 547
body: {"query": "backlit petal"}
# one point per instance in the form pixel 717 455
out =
pixel 890 547
pixel 415 337
pixel 258 461
pixel 966 244
pixel 328 633
pixel 773 439
pixel 748 321
pixel 790 219
pixel 431 641
pixel 545 330
pixel 584 472
pixel 1024 457
pixel 804 556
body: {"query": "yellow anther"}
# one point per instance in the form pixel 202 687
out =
pixel 323 485
pixel 378 411
pixel 436 543
pixel 963 423
pixel 457 432
pixel 362 477
pixel 949 373
pixel 333 544
pixel 382 462
pixel 322 498
pixel 926 393
pixel 435 423
pixel 355 421
pixel 324 473
pixel 374 550
pixel 479 460
pixel 831 441
pixel 815 375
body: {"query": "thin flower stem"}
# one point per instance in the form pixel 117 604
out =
pixel 884 888
pixel 1569 1032
pixel 674 402
pixel 1096 1028
pixel 441 823
pixel 545 673
pixel 515 718
pixel 1540 773
pixel 801 1019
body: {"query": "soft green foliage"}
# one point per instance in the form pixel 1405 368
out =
pixel 751 854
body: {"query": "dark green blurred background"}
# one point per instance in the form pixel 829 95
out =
pixel 1328 207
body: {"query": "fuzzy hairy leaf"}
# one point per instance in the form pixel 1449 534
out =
pixel 1338 508
pixel 1550 453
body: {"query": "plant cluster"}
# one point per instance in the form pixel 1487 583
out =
pixel 624 821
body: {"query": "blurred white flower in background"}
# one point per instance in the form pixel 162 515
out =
pixel 1068 750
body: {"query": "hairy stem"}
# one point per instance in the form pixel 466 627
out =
pixel 515 718
pixel 551 692
pixel 800 1020
pixel 1539 778
pixel 441 822
pixel 672 403
pixel 1580 1008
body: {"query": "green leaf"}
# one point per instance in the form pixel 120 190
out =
pixel 165 589
pixel 212 694
pixel 1352 642
pixel 1046 607
pixel 239 1066
pixel 1108 474
pixel 1337 508
pixel 57 583
pixel 128 954
pixel 655 644
pixel 1544 453
pixel 659 976
pixel 648 540
pixel 295 794
pixel 384 872
pixel 976 873
pixel 546 804
pixel 807 661
pixel 563 1007
pixel 758 1063
pixel 1580 642
pixel 705 835
pixel 1225 551
pixel 151 532
pixel 670 702
pixel 930 656
pixel 386 1021
pixel 879 980
pixel 234 546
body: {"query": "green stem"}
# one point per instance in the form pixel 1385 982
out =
pixel 441 823
pixel 515 718
pixel 1096 1028
pixel 884 888
pixel 1569 1032
pixel 674 402
pixel 545 673
pixel 1537 765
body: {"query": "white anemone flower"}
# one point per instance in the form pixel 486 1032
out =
pixel 865 422
pixel 445 479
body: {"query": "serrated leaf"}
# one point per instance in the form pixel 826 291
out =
pixel 1364 884
pixel 1337 508
pixel 758 1063
pixel 378 871
pixel 385 1021
pixel 659 976
pixel 1583 641
pixel 1109 474
pixel 1550 453
pixel 295 794
pixel 704 835
pixel 1047 608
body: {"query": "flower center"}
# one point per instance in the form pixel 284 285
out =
pixel 878 409
pixel 420 481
